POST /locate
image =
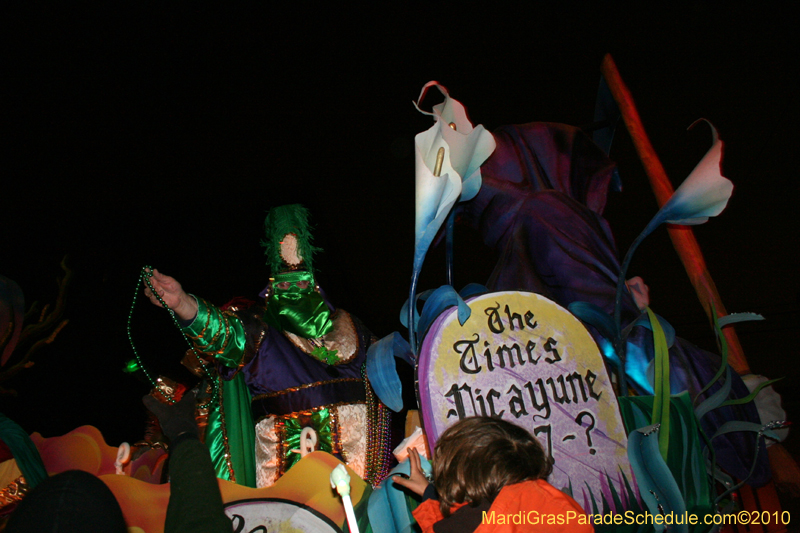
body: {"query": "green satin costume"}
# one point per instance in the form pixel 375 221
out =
pixel 231 417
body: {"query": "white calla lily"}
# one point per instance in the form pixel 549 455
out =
pixel 703 194
pixel 466 147
pixel 440 185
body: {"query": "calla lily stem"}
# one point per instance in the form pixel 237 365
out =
pixel 619 342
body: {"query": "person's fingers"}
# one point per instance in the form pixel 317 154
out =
pixel 153 283
pixel 161 278
pixel 403 482
pixel 415 486
pixel 149 294
pixel 413 457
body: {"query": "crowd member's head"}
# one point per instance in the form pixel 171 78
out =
pixel 70 501
pixel 476 457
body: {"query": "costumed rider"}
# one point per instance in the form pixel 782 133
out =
pixel 302 361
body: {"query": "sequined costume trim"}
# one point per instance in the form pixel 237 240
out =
pixel 307 411
pixel 268 464
pixel 343 338
pixel 14 492
pixel 349 443
pixel 353 427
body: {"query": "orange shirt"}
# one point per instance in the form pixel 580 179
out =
pixel 527 506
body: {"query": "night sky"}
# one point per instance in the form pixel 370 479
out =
pixel 161 135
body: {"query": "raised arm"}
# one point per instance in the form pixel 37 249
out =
pixel 218 334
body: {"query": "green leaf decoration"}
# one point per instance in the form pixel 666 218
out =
pixel 644 321
pixel 661 402
pixel 750 397
pixel 723 351
pixel 739 425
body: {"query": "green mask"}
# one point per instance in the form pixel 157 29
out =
pixel 296 307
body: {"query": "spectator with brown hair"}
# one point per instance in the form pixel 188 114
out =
pixel 490 477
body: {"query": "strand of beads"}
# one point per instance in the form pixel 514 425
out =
pixel 133 346
pixel 378 436
pixel 144 279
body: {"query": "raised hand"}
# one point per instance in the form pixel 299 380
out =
pixel 416 482
pixel 172 294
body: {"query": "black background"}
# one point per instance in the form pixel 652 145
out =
pixel 162 134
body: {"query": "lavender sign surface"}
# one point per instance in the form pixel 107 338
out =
pixel 527 360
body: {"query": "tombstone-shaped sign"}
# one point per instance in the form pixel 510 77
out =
pixel 525 359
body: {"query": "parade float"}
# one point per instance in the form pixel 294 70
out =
pixel 635 419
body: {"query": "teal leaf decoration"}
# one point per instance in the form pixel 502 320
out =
pixel 657 486
pixel 723 352
pixel 437 300
pixel 442 298
pixel 750 397
pixel 734 318
pixel 597 317
pixel 23 450
pixel 404 313
pixel 685 458
pixel 669 331
pixel 382 372
pixel 739 425
pixel 715 400
pixel 472 289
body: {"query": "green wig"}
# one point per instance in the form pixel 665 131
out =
pixel 281 221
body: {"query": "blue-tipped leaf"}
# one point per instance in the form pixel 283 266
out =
pixel 657 486
pixel 442 298
pixel 382 372
pixel 597 317
pixel 472 289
